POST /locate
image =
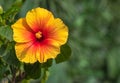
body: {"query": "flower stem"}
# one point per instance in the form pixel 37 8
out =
pixel 45 75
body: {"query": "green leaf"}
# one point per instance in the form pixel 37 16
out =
pixel 18 3
pixel 65 54
pixel 10 13
pixel 9 56
pixel 1 9
pixel 7 53
pixel 32 70
pixel 47 64
pixel 2 50
pixel 112 62
pixel 3 70
pixel 6 32
pixel 1 43
pixel 25 81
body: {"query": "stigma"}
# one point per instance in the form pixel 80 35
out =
pixel 38 35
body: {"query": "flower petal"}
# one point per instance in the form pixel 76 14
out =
pixel 57 30
pixel 26 52
pixel 37 18
pixel 47 50
pixel 33 51
pixel 22 32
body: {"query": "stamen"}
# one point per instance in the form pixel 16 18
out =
pixel 38 35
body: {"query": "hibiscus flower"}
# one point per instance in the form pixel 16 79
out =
pixel 39 36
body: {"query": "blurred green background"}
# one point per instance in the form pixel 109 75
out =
pixel 94 37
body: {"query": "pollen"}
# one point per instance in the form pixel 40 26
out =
pixel 38 35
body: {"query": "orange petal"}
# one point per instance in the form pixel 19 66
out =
pixel 37 18
pixel 26 52
pixel 33 51
pixel 47 50
pixel 57 31
pixel 22 32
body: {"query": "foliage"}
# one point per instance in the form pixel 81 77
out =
pixel 94 27
pixel 12 70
